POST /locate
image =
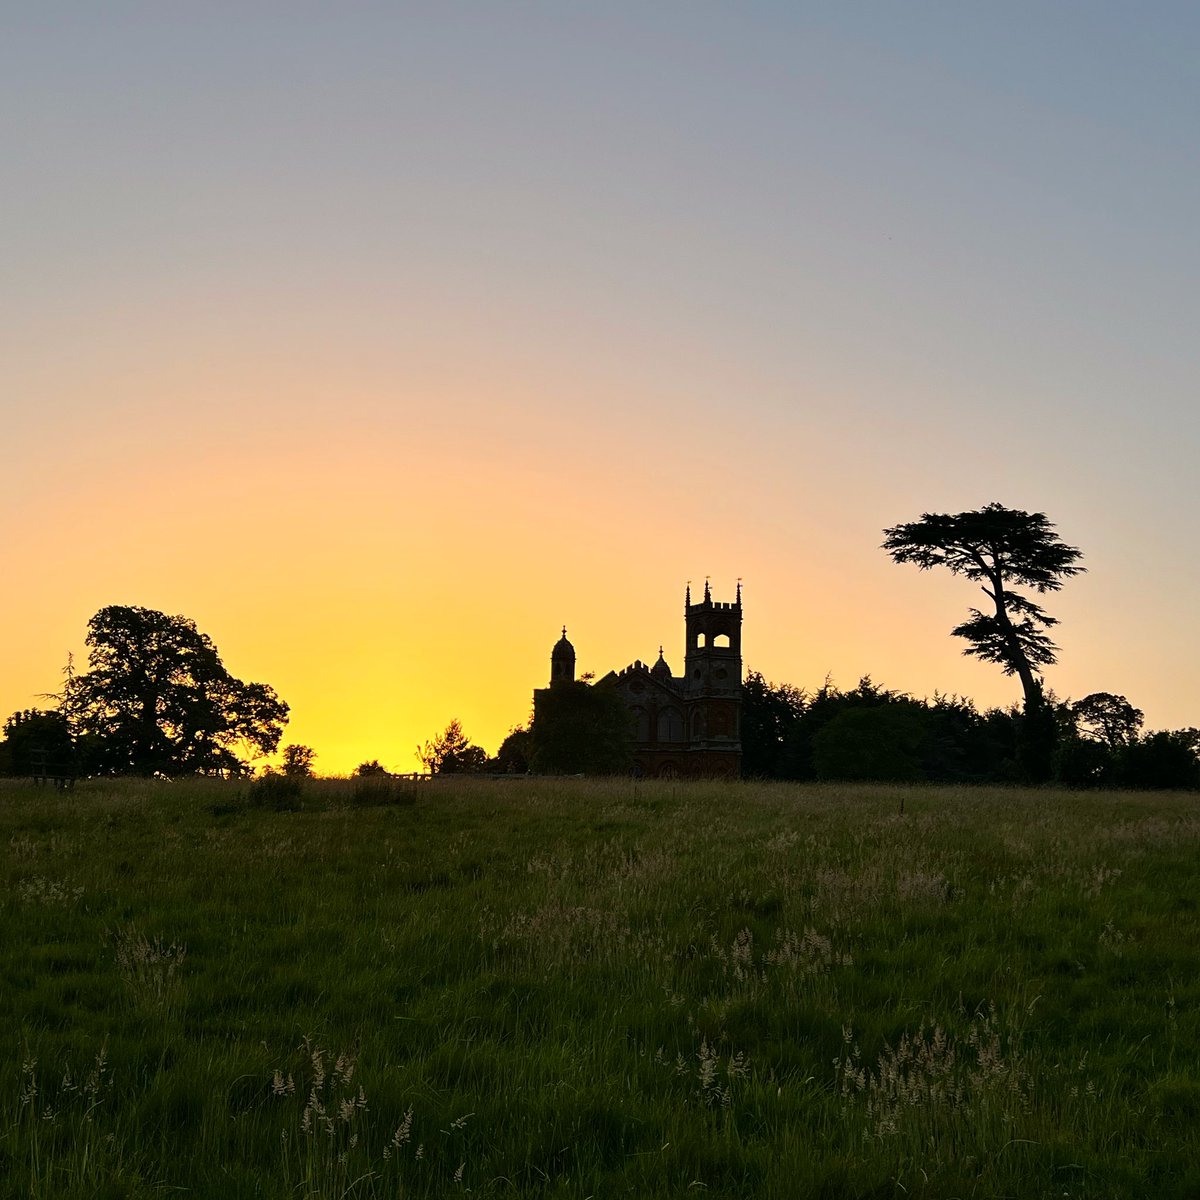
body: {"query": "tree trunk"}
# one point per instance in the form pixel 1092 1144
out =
pixel 1030 684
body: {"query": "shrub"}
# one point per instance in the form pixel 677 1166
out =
pixel 374 767
pixel 283 793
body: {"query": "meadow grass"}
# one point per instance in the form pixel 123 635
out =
pixel 569 989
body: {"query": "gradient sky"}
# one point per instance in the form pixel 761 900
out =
pixel 384 339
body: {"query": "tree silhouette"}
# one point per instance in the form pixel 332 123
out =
pixel 156 698
pixel 1108 718
pixel 36 740
pixel 451 753
pixel 881 742
pixel 1168 758
pixel 770 714
pixel 298 761
pixel 1000 548
pixel 515 752
pixel 372 769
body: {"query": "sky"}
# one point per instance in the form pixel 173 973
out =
pixel 383 340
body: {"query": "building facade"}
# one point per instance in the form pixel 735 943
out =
pixel 687 726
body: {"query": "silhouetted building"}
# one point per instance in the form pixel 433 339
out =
pixel 689 725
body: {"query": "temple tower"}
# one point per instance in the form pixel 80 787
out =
pixel 713 671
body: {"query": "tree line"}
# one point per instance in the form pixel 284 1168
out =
pixel 156 699
pixel 871 732
pixel 866 733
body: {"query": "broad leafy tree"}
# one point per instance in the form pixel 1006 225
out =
pixel 513 756
pixel 298 761
pixel 1001 549
pixel 157 699
pixel 1107 718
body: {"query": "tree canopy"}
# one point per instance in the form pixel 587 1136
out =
pixel 36 740
pixel 157 699
pixel 514 754
pixel 581 729
pixel 1001 549
pixel 769 713
pixel 371 769
pixel 1108 718
pixel 297 762
pixel 451 752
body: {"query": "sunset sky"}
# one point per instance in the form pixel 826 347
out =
pixel 383 340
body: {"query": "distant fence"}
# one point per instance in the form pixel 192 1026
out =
pixel 459 776
pixel 495 776
pixel 42 771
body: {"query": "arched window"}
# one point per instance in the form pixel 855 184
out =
pixel 722 639
pixel 700 642
pixel 670 725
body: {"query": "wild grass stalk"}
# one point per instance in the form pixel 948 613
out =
pixel 544 988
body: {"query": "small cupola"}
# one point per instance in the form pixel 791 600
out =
pixel 562 661
pixel 661 670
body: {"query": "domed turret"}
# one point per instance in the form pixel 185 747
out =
pixel 562 661
pixel 660 670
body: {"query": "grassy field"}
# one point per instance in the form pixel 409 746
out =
pixel 535 988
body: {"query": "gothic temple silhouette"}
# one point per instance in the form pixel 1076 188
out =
pixel 689 725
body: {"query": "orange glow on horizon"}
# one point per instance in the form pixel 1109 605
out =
pixel 384 590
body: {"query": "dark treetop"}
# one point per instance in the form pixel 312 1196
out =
pixel 156 698
pixel 999 548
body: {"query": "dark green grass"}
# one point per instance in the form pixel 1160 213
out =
pixel 571 990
